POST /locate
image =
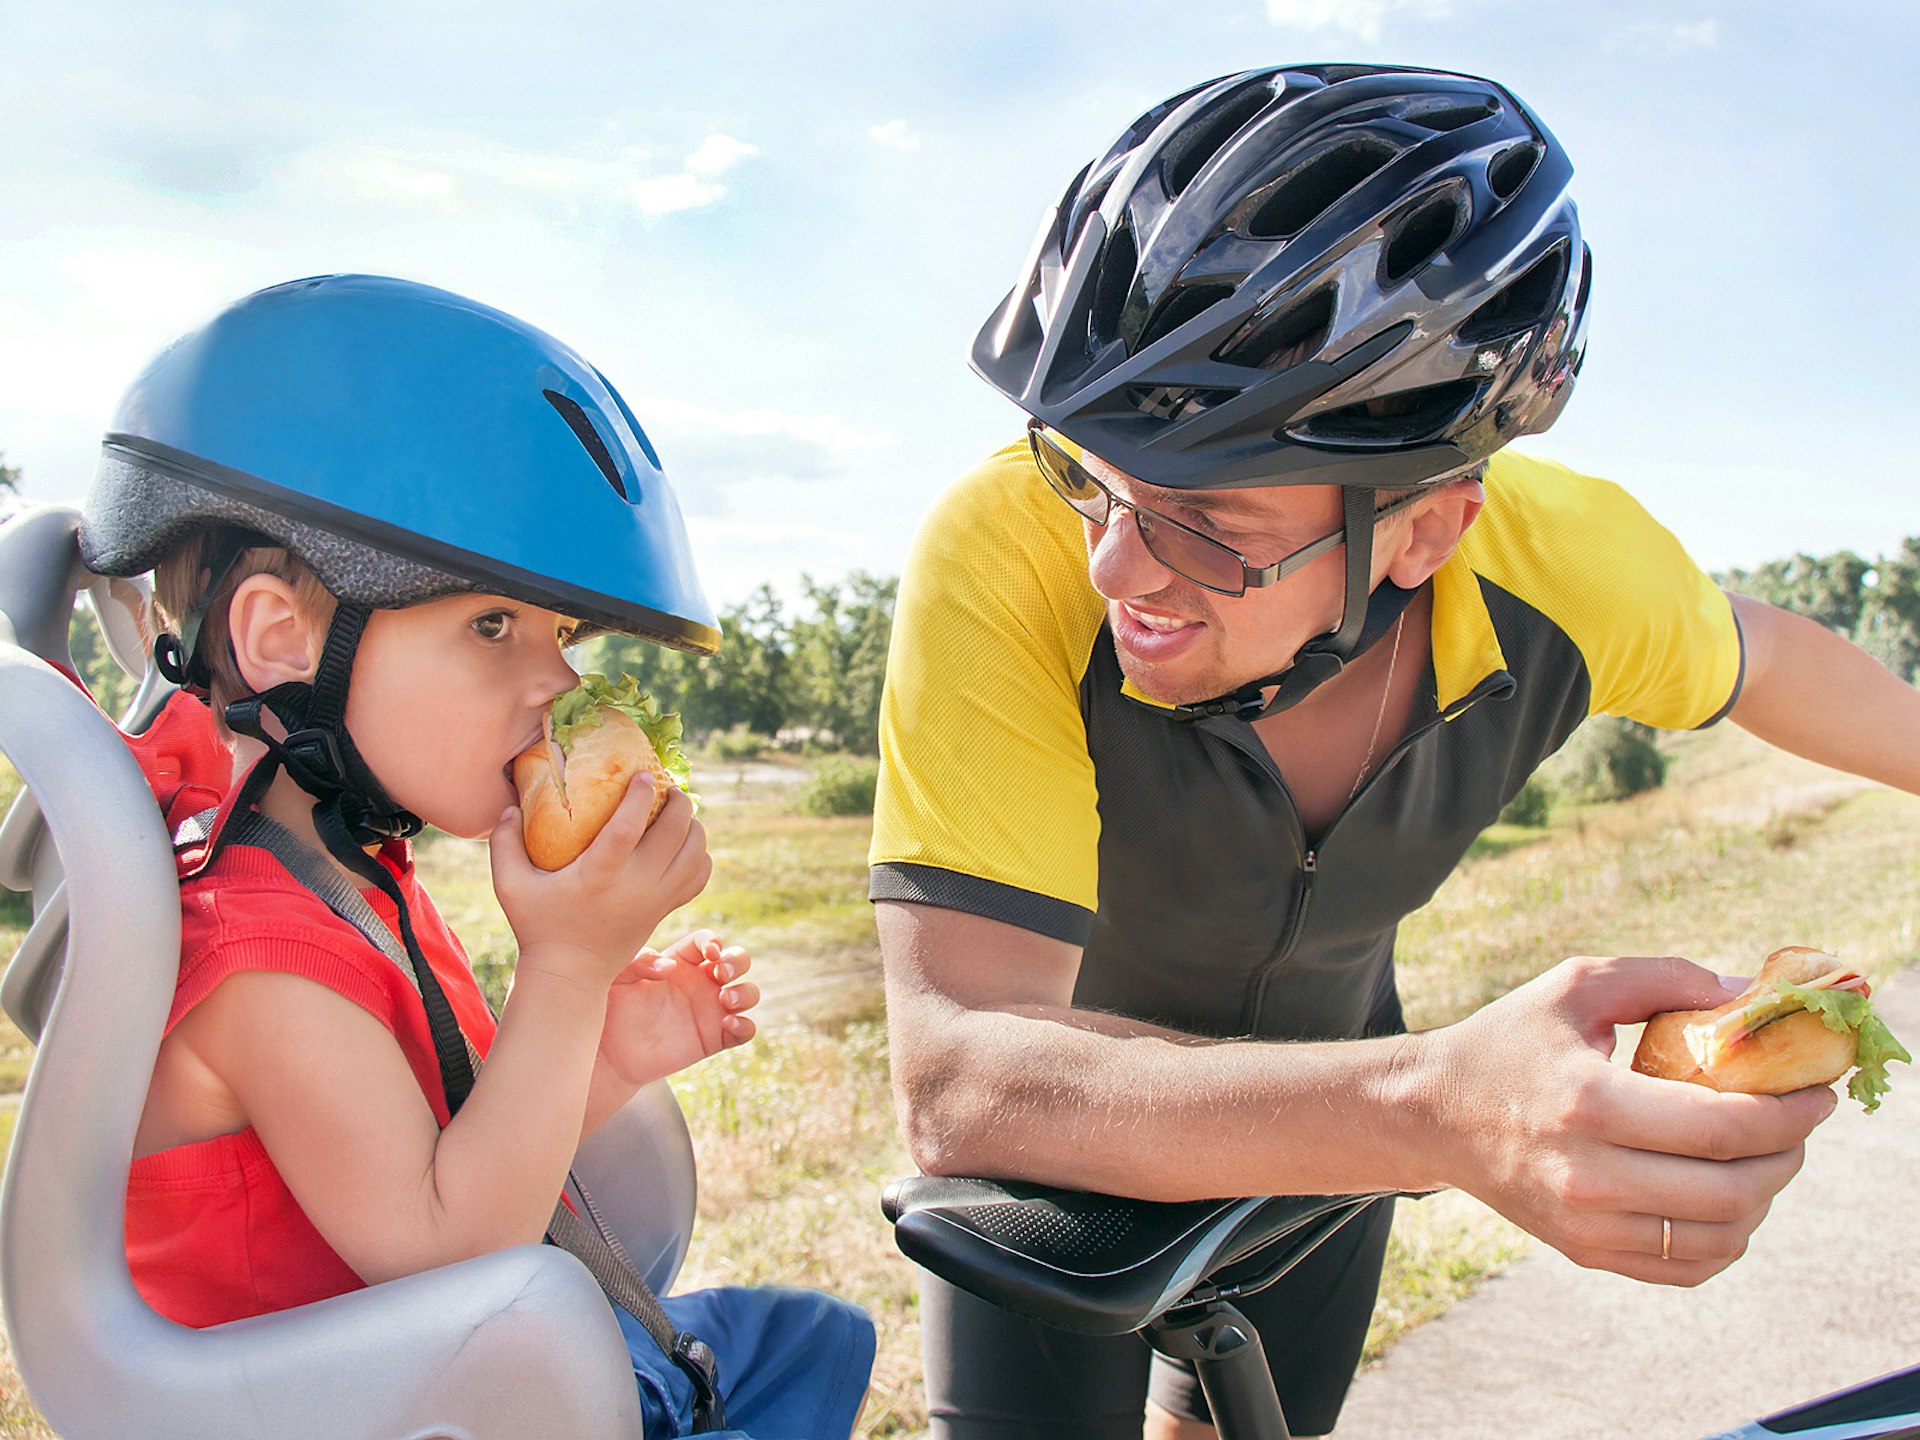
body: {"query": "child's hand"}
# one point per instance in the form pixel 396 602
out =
pixel 586 921
pixel 667 1011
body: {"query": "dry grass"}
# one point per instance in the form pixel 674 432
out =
pixel 1745 849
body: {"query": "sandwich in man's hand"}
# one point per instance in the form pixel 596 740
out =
pixel 598 737
pixel 1805 1020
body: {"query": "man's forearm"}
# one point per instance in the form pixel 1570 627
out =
pixel 1091 1101
pixel 1816 694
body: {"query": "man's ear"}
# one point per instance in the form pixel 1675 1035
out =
pixel 1434 527
pixel 274 640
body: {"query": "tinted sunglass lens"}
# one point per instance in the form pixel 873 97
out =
pixel 1071 481
pixel 1191 556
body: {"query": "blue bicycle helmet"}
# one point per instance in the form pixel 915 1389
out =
pixel 406 443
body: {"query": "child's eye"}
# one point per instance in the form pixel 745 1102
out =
pixel 493 625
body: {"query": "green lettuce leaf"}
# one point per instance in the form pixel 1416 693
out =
pixel 579 709
pixel 1844 1010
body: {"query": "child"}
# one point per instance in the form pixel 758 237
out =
pixel 379 513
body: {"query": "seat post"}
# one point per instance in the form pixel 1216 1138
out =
pixel 1232 1365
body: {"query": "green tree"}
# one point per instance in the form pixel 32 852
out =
pixel 841 652
pixel 1831 589
pixel 9 476
pixel 1889 624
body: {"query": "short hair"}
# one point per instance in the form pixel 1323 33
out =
pixel 179 585
pixel 1384 497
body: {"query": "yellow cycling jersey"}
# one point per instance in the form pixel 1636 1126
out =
pixel 991 796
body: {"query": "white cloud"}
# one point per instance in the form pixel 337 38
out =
pixel 894 135
pixel 1363 19
pixel 669 194
pixel 718 154
pixel 461 173
pixel 1669 38
pixel 719 448
pixel 360 175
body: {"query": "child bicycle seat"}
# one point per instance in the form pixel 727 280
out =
pixel 512 1344
pixel 1103 1265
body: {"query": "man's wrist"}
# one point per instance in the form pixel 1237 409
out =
pixel 1411 1093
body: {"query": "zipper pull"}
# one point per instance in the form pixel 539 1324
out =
pixel 1310 862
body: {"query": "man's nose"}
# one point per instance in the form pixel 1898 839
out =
pixel 1119 563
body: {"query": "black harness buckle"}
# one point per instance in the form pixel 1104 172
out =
pixel 696 1361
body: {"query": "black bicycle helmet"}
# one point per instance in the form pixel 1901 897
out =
pixel 1322 274
pixel 1364 276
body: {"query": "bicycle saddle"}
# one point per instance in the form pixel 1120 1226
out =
pixel 1100 1264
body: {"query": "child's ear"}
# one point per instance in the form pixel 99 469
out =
pixel 1434 528
pixel 274 640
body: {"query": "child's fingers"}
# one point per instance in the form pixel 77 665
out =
pixel 622 832
pixel 507 849
pixel 731 963
pixel 737 1030
pixel 687 872
pixel 743 996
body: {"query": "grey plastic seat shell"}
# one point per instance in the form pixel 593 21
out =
pixel 513 1344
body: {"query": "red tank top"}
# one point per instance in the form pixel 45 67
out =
pixel 213 1233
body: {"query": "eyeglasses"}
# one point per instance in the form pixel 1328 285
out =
pixel 1182 549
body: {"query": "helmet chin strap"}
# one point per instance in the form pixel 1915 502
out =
pixel 351 809
pixel 1366 615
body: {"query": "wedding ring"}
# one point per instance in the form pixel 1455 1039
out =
pixel 1666 1238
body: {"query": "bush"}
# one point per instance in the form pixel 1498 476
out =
pixel 739 743
pixel 840 785
pixel 1609 759
pixel 1532 807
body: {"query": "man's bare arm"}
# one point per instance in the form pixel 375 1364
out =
pixel 1817 694
pixel 997 1074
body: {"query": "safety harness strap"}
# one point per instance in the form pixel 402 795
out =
pixel 592 1244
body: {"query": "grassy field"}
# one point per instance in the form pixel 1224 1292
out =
pixel 1744 849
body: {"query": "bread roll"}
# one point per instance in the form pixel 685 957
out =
pixel 1795 1050
pixel 566 800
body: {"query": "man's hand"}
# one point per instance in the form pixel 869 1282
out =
pixel 669 1010
pixel 1591 1157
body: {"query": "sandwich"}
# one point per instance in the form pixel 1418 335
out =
pixel 1805 1020
pixel 595 739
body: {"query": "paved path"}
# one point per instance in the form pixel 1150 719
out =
pixel 1827 1295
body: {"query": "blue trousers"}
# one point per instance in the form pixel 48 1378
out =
pixel 793 1364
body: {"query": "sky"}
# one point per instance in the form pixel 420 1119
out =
pixel 777 227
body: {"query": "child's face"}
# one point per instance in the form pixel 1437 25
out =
pixel 445 694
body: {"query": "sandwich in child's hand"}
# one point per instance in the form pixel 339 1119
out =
pixel 572 779
pixel 1805 1020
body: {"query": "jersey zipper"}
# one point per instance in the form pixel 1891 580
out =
pixel 1310 856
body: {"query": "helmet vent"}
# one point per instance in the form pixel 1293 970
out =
pixel 1451 115
pixel 1524 302
pixel 1180 307
pixel 1118 260
pixel 1511 167
pixel 1285 338
pixel 589 438
pixel 1208 134
pixel 1170 402
pixel 1079 207
pixel 1310 190
pixel 1409 418
pixel 1420 234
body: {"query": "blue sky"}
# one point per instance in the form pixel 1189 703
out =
pixel 776 227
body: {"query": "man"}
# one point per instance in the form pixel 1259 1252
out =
pixel 1166 764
